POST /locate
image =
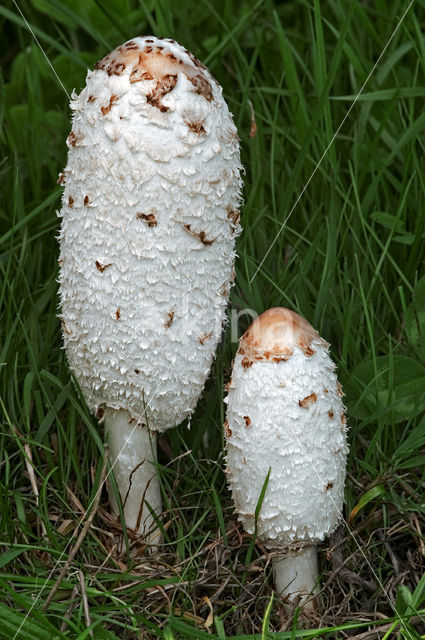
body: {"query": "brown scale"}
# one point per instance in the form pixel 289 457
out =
pixel 204 337
pixel 163 86
pixel 228 385
pixel 224 290
pixel 169 322
pixel 149 218
pixel 65 328
pixel 101 267
pixel 306 402
pixel 74 139
pixel 246 362
pixel 107 109
pixel 227 429
pixel 154 63
pixel 201 235
pixel 196 127
pixel 233 215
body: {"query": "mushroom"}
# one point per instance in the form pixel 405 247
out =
pixel 285 416
pixel 149 220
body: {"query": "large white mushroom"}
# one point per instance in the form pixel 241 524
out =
pixel 285 414
pixel 149 219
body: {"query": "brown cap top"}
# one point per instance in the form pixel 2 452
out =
pixel 154 59
pixel 275 332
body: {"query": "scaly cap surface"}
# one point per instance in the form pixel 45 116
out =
pixel 275 333
pixel 285 413
pixel 149 220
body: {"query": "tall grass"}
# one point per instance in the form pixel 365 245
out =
pixel 347 253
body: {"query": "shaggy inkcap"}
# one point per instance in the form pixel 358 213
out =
pixel 149 219
pixel 285 413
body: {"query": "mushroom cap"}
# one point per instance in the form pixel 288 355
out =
pixel 149 220
pixel 275 332
pixel 285 413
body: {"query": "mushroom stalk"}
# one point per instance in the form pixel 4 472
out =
pixel 296 576
pixel 133 460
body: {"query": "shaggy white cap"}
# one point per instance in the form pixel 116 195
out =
pixel 149 219
pixel 285 413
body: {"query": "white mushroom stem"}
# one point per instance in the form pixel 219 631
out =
pixel 133 460
pixel 296 576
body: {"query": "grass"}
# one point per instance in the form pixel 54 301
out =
pixel 349 256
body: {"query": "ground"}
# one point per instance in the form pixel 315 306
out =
pixel 328 99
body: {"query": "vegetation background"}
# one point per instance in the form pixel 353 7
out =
pixel 328 98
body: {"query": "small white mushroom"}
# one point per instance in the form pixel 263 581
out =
pixel 285 414
pixel 149 219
